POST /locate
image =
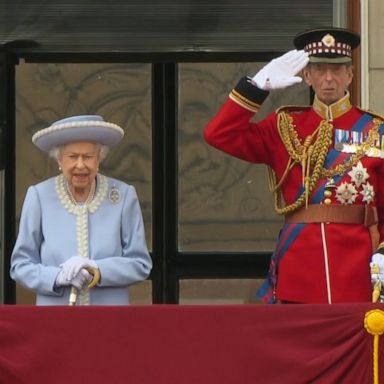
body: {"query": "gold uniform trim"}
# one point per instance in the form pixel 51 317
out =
pixel 243 101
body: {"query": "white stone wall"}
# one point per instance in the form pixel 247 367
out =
pixel 375 56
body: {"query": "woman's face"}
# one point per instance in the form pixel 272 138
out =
pixel 329 81
pixel 80 162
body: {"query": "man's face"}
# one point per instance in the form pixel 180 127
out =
pixel 329 81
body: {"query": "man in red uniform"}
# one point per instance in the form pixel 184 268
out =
pixel 326 164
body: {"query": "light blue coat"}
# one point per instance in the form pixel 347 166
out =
pixel 109 231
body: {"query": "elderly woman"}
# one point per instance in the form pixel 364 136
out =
pixel 80 228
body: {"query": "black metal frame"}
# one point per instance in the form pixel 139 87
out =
pixel 7 121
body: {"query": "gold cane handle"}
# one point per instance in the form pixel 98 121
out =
pixel 96 278
pixel 377 286
pixel 376 292
pixel 95 272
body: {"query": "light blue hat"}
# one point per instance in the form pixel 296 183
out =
pixel 91 128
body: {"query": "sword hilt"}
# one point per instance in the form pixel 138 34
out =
pixel 377 286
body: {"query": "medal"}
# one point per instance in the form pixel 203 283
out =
pixel 346 193
pixel 368 193
pixel 358 174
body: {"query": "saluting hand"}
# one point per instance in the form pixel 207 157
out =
pixel 281 72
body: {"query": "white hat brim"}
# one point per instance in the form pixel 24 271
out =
pixel 56 135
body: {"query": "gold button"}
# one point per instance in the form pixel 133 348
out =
pixel 327 201
pixel 327 193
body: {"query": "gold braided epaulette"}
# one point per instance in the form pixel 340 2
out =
pixel 380 247
pixel 372 113
pixel 293 108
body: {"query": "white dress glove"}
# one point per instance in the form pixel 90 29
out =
pixel 74 265
pixel 82 279
pixel 281 72
pixel 61 280
pixel 377 261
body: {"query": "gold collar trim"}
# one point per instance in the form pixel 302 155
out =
pixel 333 111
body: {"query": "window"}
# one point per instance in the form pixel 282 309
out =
pixel 161 71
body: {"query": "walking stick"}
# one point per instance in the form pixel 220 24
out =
pixel 96 277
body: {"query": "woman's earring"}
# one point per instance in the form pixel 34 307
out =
pixel 60 168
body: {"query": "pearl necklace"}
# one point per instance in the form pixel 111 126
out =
pixel 69 202
pixel 90 196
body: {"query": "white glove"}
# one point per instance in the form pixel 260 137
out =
pixel 61 280
pixel 378 261
pixel 281 72
pixel 82 279
pixel 74 265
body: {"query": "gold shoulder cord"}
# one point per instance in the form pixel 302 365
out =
pixel 311 156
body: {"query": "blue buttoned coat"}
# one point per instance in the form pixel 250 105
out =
pixel 109 231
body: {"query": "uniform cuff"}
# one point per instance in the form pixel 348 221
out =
pixel 248 95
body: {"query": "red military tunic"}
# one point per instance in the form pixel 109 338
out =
pixel 312 262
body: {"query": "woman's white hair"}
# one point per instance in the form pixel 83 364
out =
pixel 56 151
